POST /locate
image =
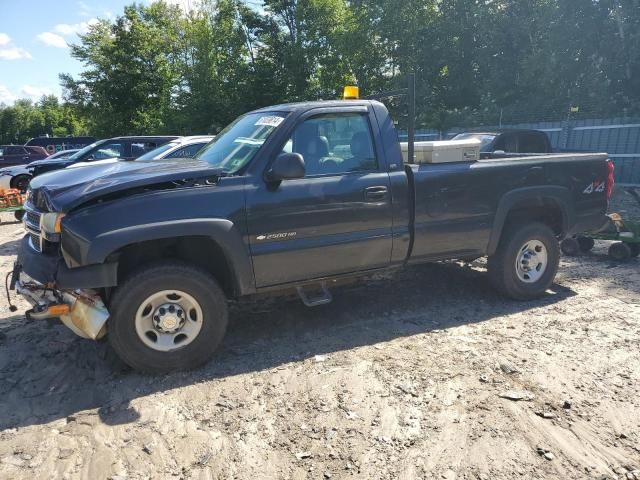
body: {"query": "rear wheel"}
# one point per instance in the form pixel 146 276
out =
pixel 586 244
pixel 19 215
pixel 526 261
pixel 620 251
pixel 21 182
pixel 170 316
pixel 570 247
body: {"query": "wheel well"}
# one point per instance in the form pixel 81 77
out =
pixel 544 210
pixel 200 251
pixel 12 182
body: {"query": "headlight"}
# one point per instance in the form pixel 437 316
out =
pixel 27 195
pixel 50 222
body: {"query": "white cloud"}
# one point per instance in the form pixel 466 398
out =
pixel 75 28
pixel 52 39
pixel 13 53
pixel 6 96
pixel 185 5
pixel 35 92
pixel 30 92
pixel 8 51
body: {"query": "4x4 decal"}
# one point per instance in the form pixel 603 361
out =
pixel 596 186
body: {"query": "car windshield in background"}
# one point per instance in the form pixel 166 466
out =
pixel 152 154
pixel 235 146
pixel 80 153
pixel 485 140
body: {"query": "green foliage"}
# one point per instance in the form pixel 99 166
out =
pixel 25 120
pixel 157 69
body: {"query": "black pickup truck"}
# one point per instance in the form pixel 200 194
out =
pixel 287 197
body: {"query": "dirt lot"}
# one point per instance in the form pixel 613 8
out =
pixel 402 377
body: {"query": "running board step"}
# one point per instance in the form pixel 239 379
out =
pixel 321 298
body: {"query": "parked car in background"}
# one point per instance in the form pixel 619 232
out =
pixel 124 148
pixel 56 144
pixel 20 154
pixel 19 176
pixel 495 144
pixel 181 147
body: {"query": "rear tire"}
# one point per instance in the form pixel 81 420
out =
pixel 570 247
pixel 20 182
pixel 586 244
pixel 19 215
pixel 166 317
pixel 620 252
pixel 526 261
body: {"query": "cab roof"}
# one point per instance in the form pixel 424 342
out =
pixel 297 106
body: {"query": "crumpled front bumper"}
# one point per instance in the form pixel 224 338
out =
pixel 81 310
pixel 56 291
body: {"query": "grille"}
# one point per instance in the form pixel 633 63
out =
pixel 33 218
pixel 35 241
pixel 32 225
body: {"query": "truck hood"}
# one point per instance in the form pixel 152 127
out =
pixel 64 190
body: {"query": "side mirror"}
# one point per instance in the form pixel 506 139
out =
pixel 286 166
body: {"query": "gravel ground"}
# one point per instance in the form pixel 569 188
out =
pixel 424 374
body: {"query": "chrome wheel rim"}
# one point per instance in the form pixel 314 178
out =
pixel 531 261
pixel 168 320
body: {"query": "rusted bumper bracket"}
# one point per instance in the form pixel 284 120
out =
pixel 81 310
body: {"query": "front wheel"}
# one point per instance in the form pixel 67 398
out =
pixel 166 317
pixel 526 261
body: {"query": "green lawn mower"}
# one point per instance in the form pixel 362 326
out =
pixel 624 233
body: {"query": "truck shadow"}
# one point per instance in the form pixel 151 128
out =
pixel 48 374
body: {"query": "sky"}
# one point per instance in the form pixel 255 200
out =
pixel 34 38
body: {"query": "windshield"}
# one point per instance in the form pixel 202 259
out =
pixel 485 139
pixel 235 146
pixel 152 154
pixel 84 150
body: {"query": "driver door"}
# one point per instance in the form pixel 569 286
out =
pixel 335 220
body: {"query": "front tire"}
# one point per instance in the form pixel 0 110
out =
pixel 526 261
pixel 170 316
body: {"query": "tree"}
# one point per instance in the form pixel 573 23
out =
pixel 131 71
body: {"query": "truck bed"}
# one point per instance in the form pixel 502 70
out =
pixel 458 205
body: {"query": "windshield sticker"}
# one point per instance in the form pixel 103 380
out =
pixel 269 121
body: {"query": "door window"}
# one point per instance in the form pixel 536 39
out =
pixel 334 143
pixel 140 148
pixel 110 150
pixel 14 151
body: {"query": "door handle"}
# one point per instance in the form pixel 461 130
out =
pixel 375 193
